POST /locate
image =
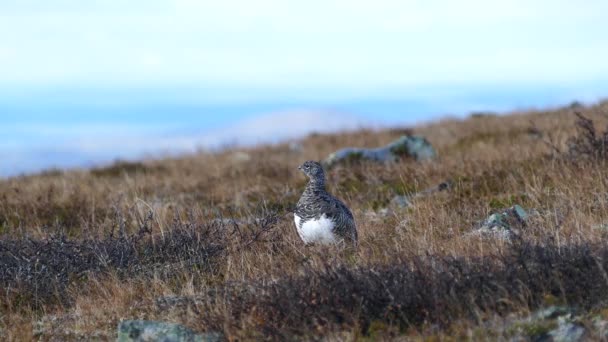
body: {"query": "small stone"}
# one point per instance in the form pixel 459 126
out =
pixel 519 212
pixel 379 215
pixel 552 312
pixel 601 227
pixel 495 221
pixel 141 331
pixel 384 212
pixel 483 114
pixel 567 331
pixel 295 147
pixel 600 326
pixel 576 105
pixel 400 201
pixel 240 157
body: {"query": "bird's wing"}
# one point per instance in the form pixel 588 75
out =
pixel 313 208
pixel 324 204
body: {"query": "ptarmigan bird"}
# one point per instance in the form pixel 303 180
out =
pixel 319 216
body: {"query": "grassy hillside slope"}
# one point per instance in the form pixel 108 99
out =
pixel 208 240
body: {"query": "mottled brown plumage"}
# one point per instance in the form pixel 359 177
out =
pixel 319 216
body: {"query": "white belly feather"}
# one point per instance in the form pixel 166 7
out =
pixel 315 230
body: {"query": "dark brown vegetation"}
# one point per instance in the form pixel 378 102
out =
pixel 589 143
pixel 208 240
pixel 36 272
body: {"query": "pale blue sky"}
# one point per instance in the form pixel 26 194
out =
pixel 277 43
pixel 84 82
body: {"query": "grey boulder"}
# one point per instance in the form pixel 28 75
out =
pixel 142 331
pixel 416 147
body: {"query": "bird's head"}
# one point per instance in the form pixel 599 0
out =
pixel 313 170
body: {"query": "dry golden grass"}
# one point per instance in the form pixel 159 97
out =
pixel 493 162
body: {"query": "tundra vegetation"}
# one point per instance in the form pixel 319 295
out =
pixel 208 241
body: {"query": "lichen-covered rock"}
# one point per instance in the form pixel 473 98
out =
pixel 553 323
pixel 140 331
pixel 567 331
pixel 601 327
pixel 502 224
pixel 416 147
pixel 552 312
